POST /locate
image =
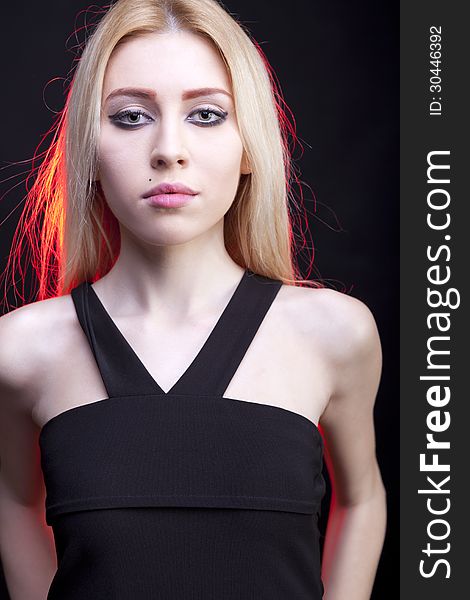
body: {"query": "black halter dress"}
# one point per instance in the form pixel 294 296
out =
pixel 183 495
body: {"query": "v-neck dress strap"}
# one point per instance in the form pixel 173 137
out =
pixel 215 364
pixel 123 374
pixel 219 358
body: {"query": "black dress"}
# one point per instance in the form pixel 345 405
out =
pixel 184 495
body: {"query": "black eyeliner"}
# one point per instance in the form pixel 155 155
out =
pixel 222 114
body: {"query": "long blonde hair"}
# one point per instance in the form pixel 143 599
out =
pixel 79 238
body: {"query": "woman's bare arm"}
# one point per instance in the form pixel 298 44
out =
pixel 26 542
pixel 357 519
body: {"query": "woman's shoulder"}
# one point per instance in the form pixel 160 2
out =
pixel 342 324
pixel 30 336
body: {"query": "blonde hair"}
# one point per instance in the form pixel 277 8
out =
pixel 80 236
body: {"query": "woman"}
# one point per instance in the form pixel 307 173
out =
pixel 164 375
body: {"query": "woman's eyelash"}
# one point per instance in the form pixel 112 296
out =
pixel 222 115
pixel 117 117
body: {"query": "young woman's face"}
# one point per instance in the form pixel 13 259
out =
pixel 174 131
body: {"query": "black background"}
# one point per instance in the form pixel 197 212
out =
pixel 338 65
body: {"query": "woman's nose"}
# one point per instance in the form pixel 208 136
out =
pixel 169 146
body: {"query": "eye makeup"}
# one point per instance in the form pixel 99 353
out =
pixel 117 118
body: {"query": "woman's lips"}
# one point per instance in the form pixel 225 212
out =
pixel 170 200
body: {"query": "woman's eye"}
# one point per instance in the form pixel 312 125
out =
pixel 130 117
pixel 205 117
pixel 134 116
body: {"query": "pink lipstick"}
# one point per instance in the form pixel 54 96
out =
pixel 170 195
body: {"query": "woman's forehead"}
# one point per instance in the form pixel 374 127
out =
pixel 170 61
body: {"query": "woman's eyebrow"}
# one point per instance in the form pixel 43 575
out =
pixel 149 94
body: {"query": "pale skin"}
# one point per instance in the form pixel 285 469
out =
pixel 317 351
